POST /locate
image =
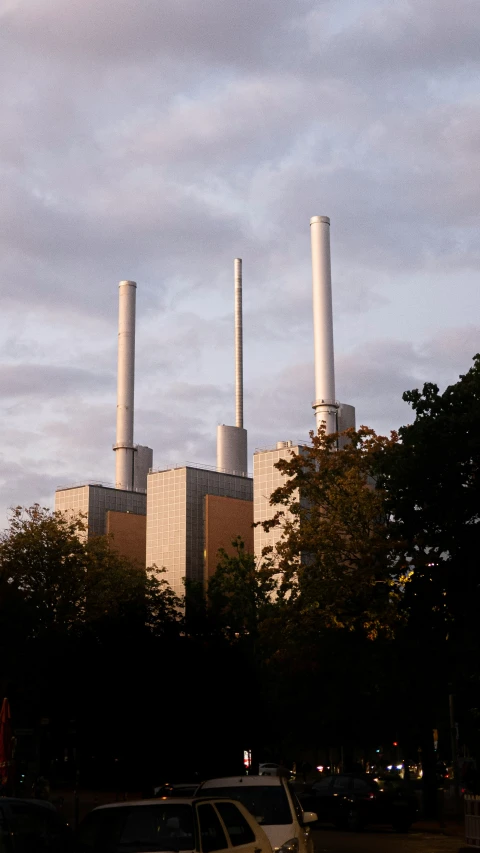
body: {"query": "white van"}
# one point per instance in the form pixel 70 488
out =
pixel 274 805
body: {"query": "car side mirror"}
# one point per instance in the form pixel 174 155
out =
pixel 309 817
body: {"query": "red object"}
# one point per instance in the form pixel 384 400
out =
pixel 6 745
pixel 395 743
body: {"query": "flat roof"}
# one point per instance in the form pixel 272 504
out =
pixel 108 486
pixel 193 466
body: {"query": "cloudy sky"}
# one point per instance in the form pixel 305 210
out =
pixel 158 139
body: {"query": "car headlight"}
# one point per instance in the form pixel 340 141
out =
pixel 290 846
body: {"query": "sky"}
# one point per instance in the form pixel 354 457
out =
pixel 157 140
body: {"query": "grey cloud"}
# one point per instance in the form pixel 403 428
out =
pixel 226 130
pixel 374 376
pixel 23 484
pixel 92 252
pixel 126 32
pixel 156 141
pixel 450 352
pixel 32 380
pixel 386 38
pixel 205 394
pixel 116 205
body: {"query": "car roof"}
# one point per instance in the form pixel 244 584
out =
pixel 168 801
pixel 247 781
pixel 152 802
pixel 29 800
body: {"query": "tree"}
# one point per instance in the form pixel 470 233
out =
pixel 433 484
pixel 339 559
pixel 64 584
pixel 239 595
pixel 81 632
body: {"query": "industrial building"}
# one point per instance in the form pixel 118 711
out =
pixel 191 513
pixel 118 512
pixel 267 478
pixel 175 519
pixel 111 512
pixel 178 518
pixel 335 416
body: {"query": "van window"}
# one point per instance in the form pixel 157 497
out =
pixel 268 804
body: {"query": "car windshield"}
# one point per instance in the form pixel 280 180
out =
pixel 134 829
pixel 268 804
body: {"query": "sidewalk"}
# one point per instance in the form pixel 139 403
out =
pixel 455 828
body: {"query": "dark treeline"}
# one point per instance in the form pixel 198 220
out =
pixel 354 633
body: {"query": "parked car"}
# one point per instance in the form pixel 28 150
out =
pixel 32 826
pixel 200 825
pixel 353 800
pixel 275 806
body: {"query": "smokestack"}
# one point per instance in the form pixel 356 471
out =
pixel 124 447
pixel 238 343
pixel 325 405
pixel 232 456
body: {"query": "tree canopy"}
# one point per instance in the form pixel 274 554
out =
pixel 361 621
pixel 240 594
pixel 339 557
pixel 53 581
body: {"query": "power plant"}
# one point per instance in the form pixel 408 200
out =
pixel 328 411
pixel 192 511
pixel 178 518
pixel 132 461
pixel 119 512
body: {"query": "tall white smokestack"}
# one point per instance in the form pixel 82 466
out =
pixel 238 344
pixel 325 405
pixel 124 447
pixel 232 455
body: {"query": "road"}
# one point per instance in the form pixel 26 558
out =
pixel 384 841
